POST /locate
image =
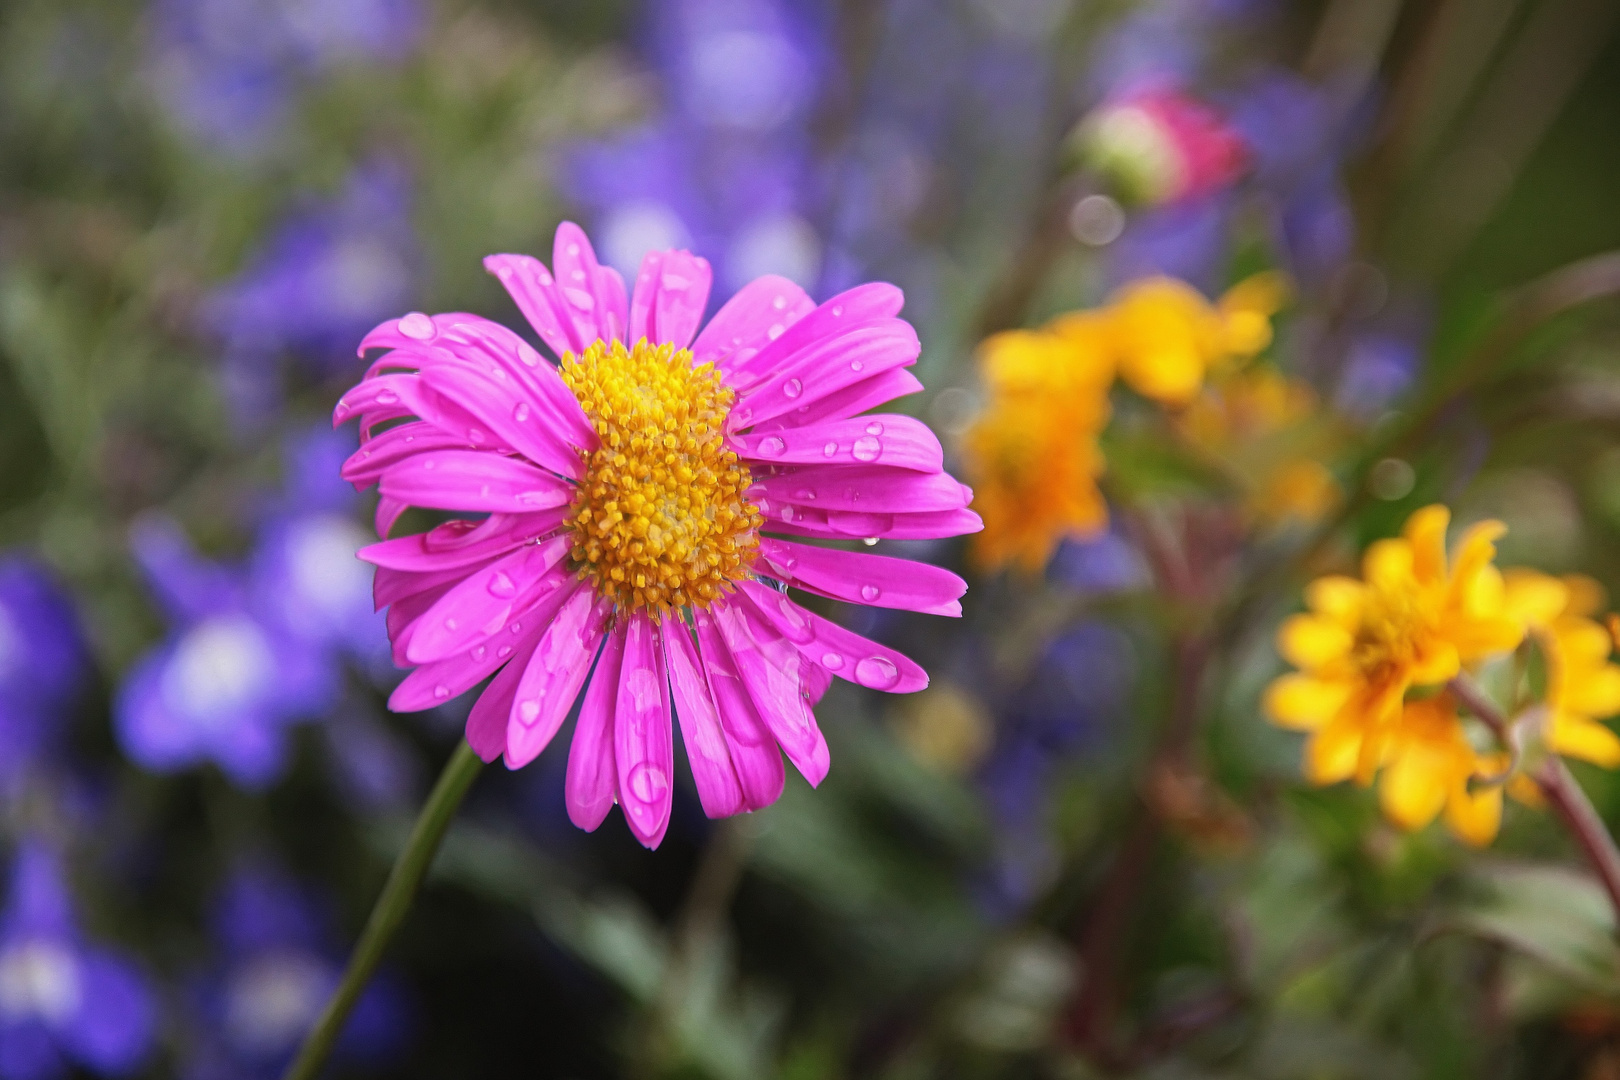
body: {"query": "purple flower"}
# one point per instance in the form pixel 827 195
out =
pixel 64 1003
pixel 227 70
pixel 42 664
pixel 230 678
pixel 278 963
pixel 326 276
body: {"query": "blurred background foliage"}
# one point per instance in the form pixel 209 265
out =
pixel 205 203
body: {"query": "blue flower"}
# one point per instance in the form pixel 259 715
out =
pixel 228 681
pixel 43 665
pixel 278 964
pixel 329 273
pixel 64 1003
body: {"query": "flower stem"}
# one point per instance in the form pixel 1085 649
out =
pixel 1558 784
pixel 391 908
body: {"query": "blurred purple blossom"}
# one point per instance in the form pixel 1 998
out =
pixel 228 70
pixel 330 272
pixel 43 665
pixel 65 1003
pixel 278 962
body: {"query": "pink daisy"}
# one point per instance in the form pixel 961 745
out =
pixel 631 503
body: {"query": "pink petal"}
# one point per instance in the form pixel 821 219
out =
pixel 403 615
pixel 552 678
pixel 387 515
pixel 850 401
pixel 823 367
pixel 473 480
pixel 389 586
pixel 754 753
pixel 498 351
pixel 366 465
pixel 486 723
pixel 760 312
pixel 843 652
pixel 592 295
pixel 862 578
pixel 507 416
pixel 770 669
pixel 529 283
pixel 862 304
pixel 672 291
pixel 478 608
pixel 463 542
pixel 718 788
pixel 798 520
pixel 898 442
pixel 592 781
pixel 643 742
pixel 868 489
pixel 435 683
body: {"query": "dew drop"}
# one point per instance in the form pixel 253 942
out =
pixel 450 624
pixel 878 672
pixel 475 436
pixel 479 652
pixel 805 495
pixel 504 272
pixel 387 397
pixel 870 593
pixel 787 513
pixel 797 628
pixel 501 585
pixel 874 428
pixel 775 331
pixel 866 448
pixel 648 782
pixel 771 446
pixel 830 449
pixel 870 541
pixel 573 249
pixel 832 661
pixel 503 652
pixel 856 365
pixel 441 691
pixel 536 498
pixel 837 311
pixel 529 711
pixel 429 463
pixel 418 326
pixel 517 627
pixel 580 298
pixel 520 412
pixel 793 388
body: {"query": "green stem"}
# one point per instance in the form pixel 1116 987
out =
pixel 392 906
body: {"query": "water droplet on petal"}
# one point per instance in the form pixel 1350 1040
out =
pixel 830 449
pixel 870 593
pixel 837 311
pixel 501 585
pixel 418 326
pixel 832 661
pixel 771 446
pixel 504 651
pixel 536 498
pixel 878 672
pixel 775 331
pixel 520 413
pixel 856 365
pixel 529 711
pixel 675 283
pixel 787 513
pixel 516 627
pixel 793 388
pixel 798 628
pixel 475 436
pixel 870 541
pixel 866 448
pixel 450 624
pixel 504 272
pixel 441 691
pixel 805 495
pixel 387 397
pixel 648 782
pixel 874 428
pixel 573 249
pixel 580 298
pixel 779 303
pixel 479 652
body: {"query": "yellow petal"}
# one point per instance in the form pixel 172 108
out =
pixel 1586 596
pixel 1476 549
pixel 1303 702
pixel 1475 817
pixel 1532 597
pixel 1310 641
pixel 1336 596
pixel 1388 565
pixel 1593 692
pixel 1582 642
pixel 1413 787
pixel 1331 753
pixel 1525 790
pixel 1579 737
pixel 1426 531
pixel 1436 661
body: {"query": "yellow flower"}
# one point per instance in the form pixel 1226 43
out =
pixel 1411 621
pixel 1031 456
pixel 1167 335
pixel 1266 431
pixel 1429 765
pixel 1582 685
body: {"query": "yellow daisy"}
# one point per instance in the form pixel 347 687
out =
pixel 1167 335
pixel 1583 687
pixel 1430 766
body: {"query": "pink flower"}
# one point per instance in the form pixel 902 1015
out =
pixel 628 493
pixel 1160 145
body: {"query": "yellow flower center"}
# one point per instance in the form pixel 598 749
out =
pixel 1392 626
pixel 660 520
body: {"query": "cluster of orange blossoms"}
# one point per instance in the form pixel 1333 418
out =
pixel 1033 455
pixel 1375 656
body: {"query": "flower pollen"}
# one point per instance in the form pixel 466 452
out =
pixel 660 520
